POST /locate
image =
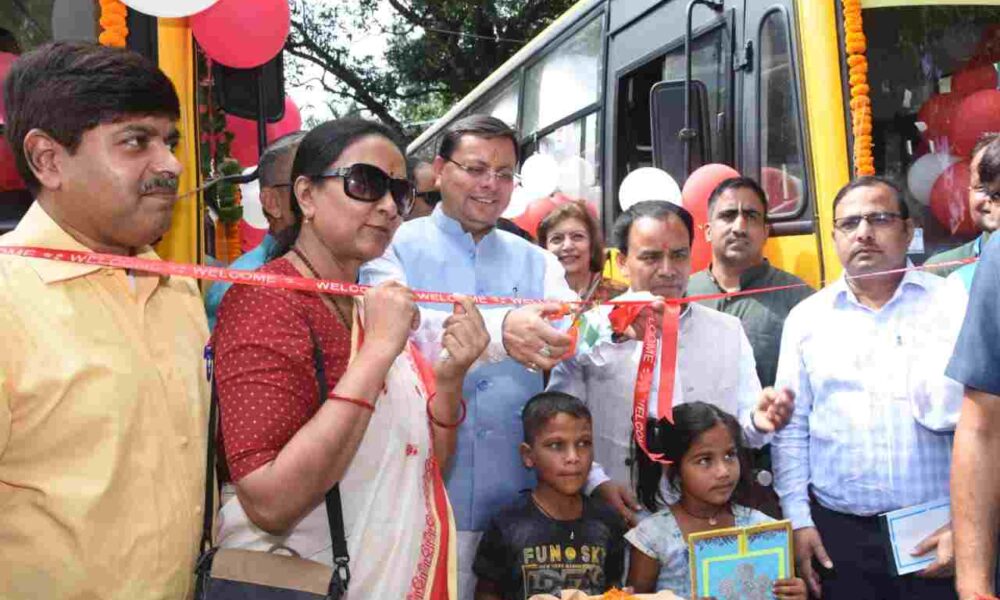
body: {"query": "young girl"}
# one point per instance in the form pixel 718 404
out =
pixel 706 473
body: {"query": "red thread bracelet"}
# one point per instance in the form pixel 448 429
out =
pixel 362 403
pixel 461 419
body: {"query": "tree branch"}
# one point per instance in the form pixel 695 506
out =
pixel 319 57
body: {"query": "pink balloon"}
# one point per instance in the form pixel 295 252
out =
pixel 244 144
pixel 697 189
pixel 291 122
pixel 242 33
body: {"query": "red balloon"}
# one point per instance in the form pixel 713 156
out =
pixel 6 60
pixel 978 113
pixel 697 189
pixel 937 113
pixel 242 33
pixel 972 79
pixel 537 210
pixel 10 179
pixel 291 122
pixel 950 200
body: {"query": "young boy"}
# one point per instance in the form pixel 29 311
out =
pixel 553 537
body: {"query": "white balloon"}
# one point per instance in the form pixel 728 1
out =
pixel 519 200
pixel 253 210
pixel 575 176
pixel 925 171
pixel 169 8
pixel 540 175
pixel 648 183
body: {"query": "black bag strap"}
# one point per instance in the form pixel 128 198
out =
pixel 334 510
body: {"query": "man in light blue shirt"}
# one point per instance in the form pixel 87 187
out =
pixel 458 249
pixel 274 173
pixel 874 411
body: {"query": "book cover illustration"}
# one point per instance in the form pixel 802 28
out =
pixel 741 563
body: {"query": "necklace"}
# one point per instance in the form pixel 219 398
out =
pixel 327 301
pixel 541 509
pixel 713 520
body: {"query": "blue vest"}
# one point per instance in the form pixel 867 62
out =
pixel 486 472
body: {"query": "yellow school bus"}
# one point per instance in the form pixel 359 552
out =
pixel 770 94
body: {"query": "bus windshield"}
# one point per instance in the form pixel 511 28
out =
pixel 933 77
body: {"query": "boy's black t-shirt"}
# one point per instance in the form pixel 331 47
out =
pixel 527 553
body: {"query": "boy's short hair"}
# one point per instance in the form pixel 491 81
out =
pixel 68 88
pixel 544 406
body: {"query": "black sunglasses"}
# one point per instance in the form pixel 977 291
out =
pixel 369 183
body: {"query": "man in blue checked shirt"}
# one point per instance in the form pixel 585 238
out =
pixel 874 411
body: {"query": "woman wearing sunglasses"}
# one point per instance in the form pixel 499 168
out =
pixel 380 431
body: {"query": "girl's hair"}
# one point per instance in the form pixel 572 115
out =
pixel 320 148
pixel 673 440
pixel 575 209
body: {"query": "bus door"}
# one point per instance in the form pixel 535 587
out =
pixel 773 145
pixel 646 65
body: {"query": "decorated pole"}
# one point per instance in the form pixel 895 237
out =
pixel 855 45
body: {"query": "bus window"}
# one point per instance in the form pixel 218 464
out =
pixel 565 81
pixel 782 165
pixel 933 78
pixel 710 65
pixel 502 103
pixel 574 147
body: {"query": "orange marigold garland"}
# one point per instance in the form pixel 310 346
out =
pixel 861 104
pixel 113 23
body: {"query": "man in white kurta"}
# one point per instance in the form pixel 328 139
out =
pixel 715 361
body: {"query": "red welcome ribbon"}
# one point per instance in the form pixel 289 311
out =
pixel 644 377
pixel 623 315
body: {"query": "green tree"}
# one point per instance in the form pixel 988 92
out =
pixel 436 51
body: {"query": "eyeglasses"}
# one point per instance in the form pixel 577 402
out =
pixel 993 196
pixel 369 183
pixel 483 173
pixel 878 220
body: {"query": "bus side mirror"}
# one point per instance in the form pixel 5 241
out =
pixel 666 113
pixel 236 90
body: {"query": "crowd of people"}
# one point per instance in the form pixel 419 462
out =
pixel 476 451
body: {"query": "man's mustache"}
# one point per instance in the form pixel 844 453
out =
pixel 159 184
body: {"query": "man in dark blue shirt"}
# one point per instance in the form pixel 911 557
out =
pixel 975 480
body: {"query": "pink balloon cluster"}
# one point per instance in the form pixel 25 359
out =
pixel 242 33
